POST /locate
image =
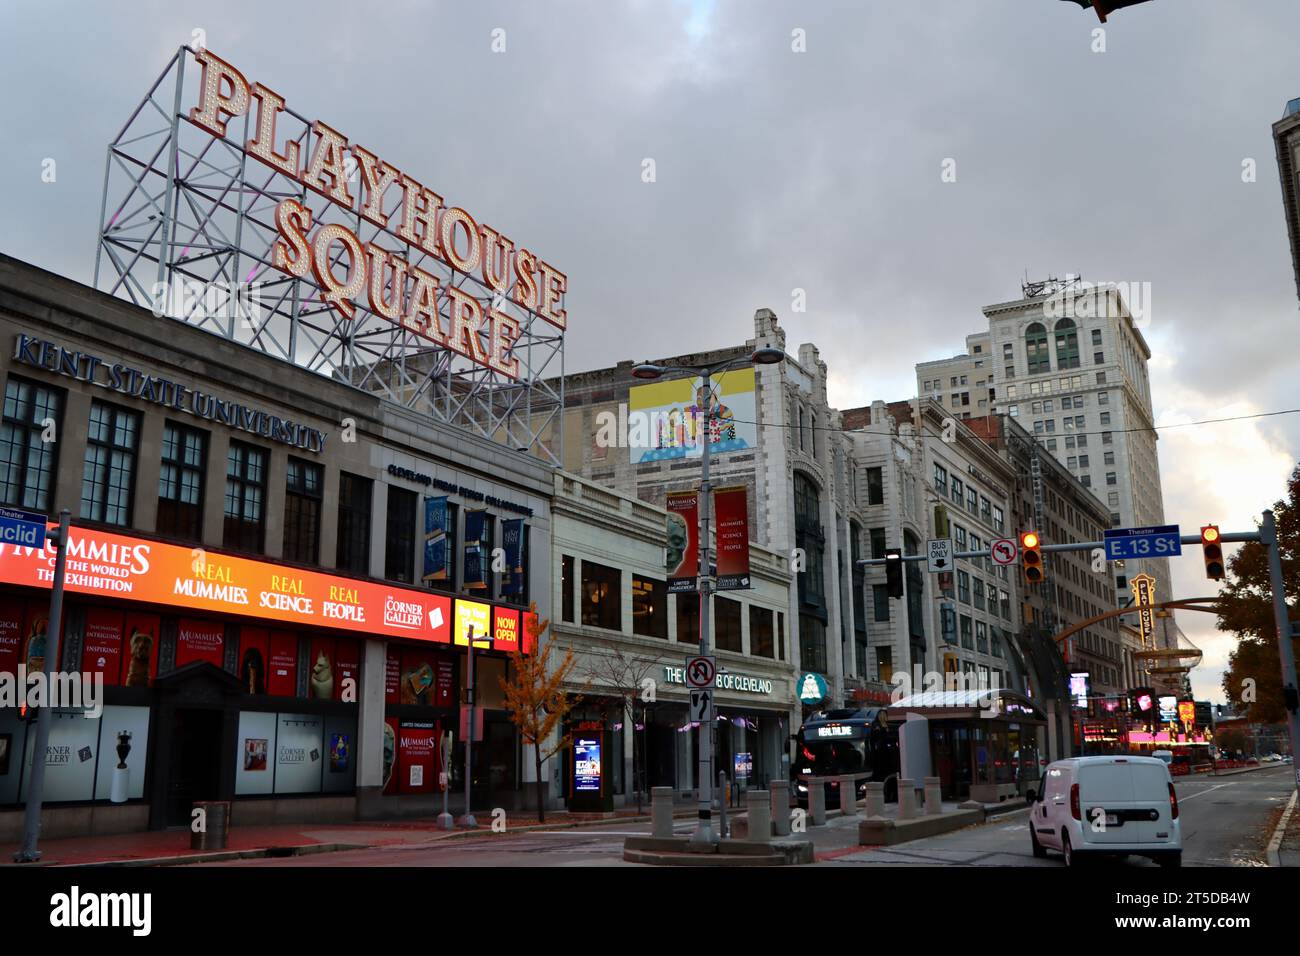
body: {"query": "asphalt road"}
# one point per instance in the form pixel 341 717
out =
pixel 1225 823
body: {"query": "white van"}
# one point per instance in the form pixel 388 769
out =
pixel 1098 806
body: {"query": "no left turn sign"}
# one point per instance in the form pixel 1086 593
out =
pixel 1004 551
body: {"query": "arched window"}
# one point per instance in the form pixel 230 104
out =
pixel 1067 344
pixel 1040 360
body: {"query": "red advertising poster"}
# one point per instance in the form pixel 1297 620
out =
pixel 101 644
pixel 199 641
pixel 416 772
pixel 140 649
pixel 391 732
pixel 13 613
pixel 254 652
pixel 731 509
pixel 113 565
pixel 282 664
pixel 393 675
pixel 445 686
pixel 505 629
pixel 529 636
pixel 683 550
pixel 347 667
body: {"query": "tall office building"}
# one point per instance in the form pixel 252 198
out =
pixel 1068 362
pixel 1286 136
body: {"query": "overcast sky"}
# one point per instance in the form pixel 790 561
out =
pixel 778 170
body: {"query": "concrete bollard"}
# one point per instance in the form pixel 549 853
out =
pixel 933 796
pixel 817 801
pixel 906 799
pixel 780 807
pixel 848 797
pixel 875 801
pixel 758 803
pixel 661 812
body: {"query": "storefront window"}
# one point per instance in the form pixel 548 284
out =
pixel 180 482
pixel 26 460
pixel 245 497
pixel 399 538
pixel 880 602
pixel 761 643
pixel 812 643
pixel 566 588
pixel 302 504
pixel 601 596
pixel 109 477
pixel 649 607
pixel 726 628
pixel 983 760
pixel 688 618
pixel 353 552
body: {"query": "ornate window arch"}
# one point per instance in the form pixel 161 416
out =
pixel 1067 344
pixel 1040 359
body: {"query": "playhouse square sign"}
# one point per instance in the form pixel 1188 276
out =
pixel 388 284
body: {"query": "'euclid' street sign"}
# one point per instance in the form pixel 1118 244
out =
pixel 26 528
pixel 939 553
pixel 1159 542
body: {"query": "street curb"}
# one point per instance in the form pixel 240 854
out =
pixel 308 849
pixel 1274 854
pixel 220 856
pixel 1239 770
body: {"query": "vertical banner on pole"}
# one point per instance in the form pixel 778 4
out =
pixel 683 541
pixel 475 565
pixel 435 538
pixel 512 541
pixel 732 514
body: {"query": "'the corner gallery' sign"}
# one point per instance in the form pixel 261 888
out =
pixel 390 285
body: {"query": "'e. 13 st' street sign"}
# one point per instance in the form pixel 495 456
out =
pixel 1159 542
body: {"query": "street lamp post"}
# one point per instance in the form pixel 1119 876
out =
pixel 704 765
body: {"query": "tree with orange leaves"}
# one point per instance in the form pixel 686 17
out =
pixel 536 700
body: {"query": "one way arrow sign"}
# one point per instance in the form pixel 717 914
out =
pixel 939 553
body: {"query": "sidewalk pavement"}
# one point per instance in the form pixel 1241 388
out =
pixel 839 835
pixel 1284 847
pixel 172 847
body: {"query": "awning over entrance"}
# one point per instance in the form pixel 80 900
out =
pixel 948 704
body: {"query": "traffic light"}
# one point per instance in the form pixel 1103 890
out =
pixel 1212 549
pixel 894 572
pixel 1031 557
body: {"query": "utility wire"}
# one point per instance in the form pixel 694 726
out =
pixel 1038 435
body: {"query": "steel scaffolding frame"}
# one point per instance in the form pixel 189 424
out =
pixel 186 228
